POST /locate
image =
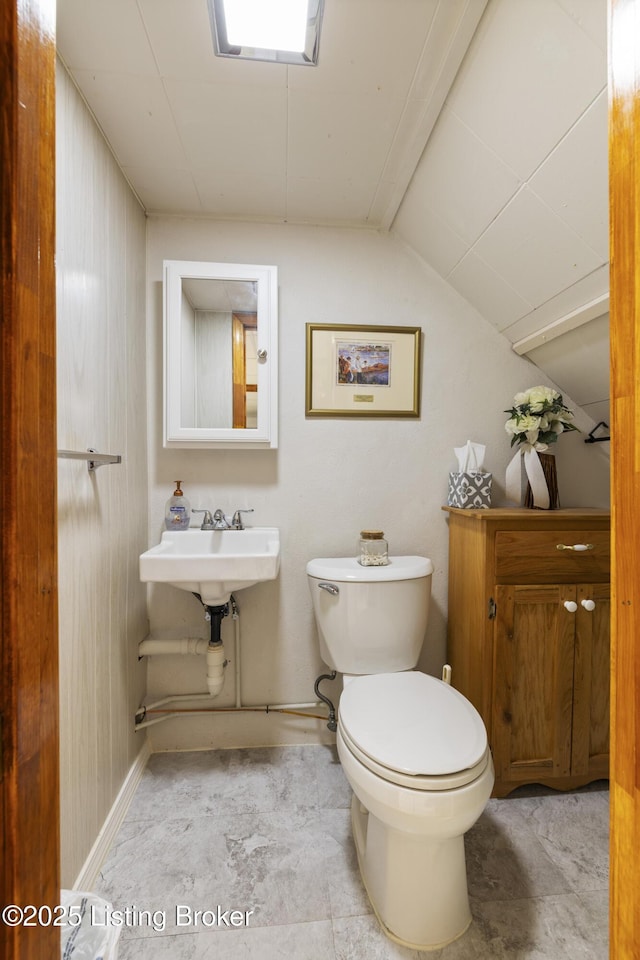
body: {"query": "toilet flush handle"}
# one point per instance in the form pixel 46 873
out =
pixel 330 588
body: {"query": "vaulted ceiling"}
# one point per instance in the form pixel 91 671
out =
pixel 475 130
pixel 510 199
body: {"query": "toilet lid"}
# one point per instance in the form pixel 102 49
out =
pixel 412 723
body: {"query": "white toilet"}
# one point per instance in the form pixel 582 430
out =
pixel 413 749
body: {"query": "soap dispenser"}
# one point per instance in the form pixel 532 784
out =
pixel 177 514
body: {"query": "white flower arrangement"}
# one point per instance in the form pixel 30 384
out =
pixel 538 417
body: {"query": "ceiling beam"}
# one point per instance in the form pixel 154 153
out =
pixel 576 318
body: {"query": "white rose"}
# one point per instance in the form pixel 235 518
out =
pixel 521 399
pixel 538 396
pixel 528 425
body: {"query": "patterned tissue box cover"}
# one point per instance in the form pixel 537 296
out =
pixel 469 490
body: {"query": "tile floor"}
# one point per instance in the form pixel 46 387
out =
pixel 267 831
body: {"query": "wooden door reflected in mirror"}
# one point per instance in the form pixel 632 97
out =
pixel 245 370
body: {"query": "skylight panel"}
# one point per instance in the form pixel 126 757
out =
pixel 282 31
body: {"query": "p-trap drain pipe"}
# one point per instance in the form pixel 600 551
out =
pixel 216 664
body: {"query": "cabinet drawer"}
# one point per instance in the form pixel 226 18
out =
pixel 542 557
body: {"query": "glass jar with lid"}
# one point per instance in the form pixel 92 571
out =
pixel 374 550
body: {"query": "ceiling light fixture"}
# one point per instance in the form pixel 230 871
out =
pixel 281 31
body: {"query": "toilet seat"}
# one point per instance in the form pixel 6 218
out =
pixel 416 782
pixel 414 730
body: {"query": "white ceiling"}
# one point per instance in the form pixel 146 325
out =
pixel 477 131
pixel 204 135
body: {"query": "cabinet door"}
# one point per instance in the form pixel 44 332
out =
pixel 533 681
pixel 590 750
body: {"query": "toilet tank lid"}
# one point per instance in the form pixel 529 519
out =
pixel 349 569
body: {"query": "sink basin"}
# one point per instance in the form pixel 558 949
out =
pixel 213 563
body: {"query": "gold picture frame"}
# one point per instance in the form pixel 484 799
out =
pixel 362 370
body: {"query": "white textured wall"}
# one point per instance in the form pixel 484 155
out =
pixel 102 517
pixel 331 477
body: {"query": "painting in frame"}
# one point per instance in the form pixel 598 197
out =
pixel 362 370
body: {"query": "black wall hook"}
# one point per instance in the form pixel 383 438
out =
pixel 592 439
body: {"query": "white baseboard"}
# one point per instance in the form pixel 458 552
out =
pixel 98 853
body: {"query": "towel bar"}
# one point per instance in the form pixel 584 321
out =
pixel 93 458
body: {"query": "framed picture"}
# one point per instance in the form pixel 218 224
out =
pixel 362 371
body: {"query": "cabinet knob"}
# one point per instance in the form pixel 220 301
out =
pixel 571 606
pixel 588 604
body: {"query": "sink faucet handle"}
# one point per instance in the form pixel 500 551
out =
pixel 207 520
pixel 236 521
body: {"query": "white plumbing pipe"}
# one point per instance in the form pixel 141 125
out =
pixel 215 669
pixel 193 645
pixel 261 708
pixel 174 698
pixel 195 697
pixel 147 647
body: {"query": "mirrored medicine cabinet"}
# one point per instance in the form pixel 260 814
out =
pixel 220 355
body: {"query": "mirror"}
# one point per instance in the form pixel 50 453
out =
pixel 220 342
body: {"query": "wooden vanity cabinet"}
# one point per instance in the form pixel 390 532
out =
pixel 528 639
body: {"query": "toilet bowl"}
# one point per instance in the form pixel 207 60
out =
pixel 415 754
pixel 412 748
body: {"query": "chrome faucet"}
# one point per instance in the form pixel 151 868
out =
pixel 216 522
pixel 220 522
pixel 236 521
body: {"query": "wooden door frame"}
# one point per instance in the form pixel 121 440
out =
pixel 241 322
pixel 624 202
pixel 29 778
pixel 29 804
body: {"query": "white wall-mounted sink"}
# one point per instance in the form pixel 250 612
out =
pixel 213 563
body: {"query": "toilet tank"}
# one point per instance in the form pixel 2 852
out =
pixel 370 619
